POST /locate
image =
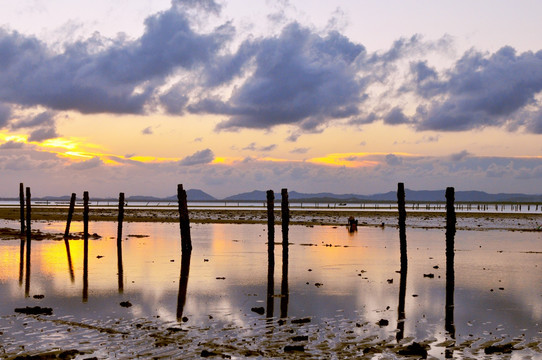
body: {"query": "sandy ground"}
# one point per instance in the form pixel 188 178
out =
pixel 311 217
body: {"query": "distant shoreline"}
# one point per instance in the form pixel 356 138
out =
pixel 307 217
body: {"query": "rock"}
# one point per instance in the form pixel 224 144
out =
pixel 258 310
pixel 39 297
pixel 383 322
pixel 301 321
pixel 499 349
pixel 414 349
pixel 126 304
pixel 36 310
pixel 318 284
pixel 429 276
pixel 390 281
pixel 221 278
pixel 290 348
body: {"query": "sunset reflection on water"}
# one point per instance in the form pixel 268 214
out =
pixel 330 273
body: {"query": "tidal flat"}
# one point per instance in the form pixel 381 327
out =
pixel 327 294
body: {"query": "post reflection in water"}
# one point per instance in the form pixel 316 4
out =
pixel 402 286
pixel 21 263
pixel 120 268
pixel 183 283
pixel 284 285
pixel 85 271
pixel 70 264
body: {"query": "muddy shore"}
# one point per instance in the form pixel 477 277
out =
pixel 308 217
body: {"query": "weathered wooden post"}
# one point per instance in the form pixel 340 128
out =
pixel 285 209
pixel 404 261
pixel 184 220
pixel 120 268
pixel 85 245
pixel 120 218
pixel 70 216
pixel 21 205
pixel 285 224
pixel 450 274
pixel 270 252
pixel 28 238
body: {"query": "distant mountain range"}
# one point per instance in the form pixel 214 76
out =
pixel 258 195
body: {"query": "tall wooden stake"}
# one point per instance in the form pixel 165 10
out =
pixel 120 268
pixel 28 238
pixel 450 272
pixel 85 245
pixel 404 261
pixel 70 216
pixel 120 218
pixel 270 252
pixel 184 221
pixel 285 224
pixel 21 204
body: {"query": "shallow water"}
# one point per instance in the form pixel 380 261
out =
pixel 344 283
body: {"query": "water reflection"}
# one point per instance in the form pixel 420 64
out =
pixel 70 264
pixel 347 297
pixel 21 262
pixel 402 286
pixel 183 283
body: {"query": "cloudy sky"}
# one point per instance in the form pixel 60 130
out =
pixel 229 96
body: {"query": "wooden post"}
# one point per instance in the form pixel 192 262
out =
pixel 270 252
pixel 21 203
pixel 450 273
pixel 120 268
pixel 285 215
pixel 28 238
pixel 120 218
pixel 85 245
pixel 404 261
pixel 285 224
pixel 70 216
pixel 184 221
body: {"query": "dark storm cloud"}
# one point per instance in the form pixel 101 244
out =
pixel 198 158
pixel 43 134
pixel 254 147
pixel 106 75
pixel 10 145
pixel 5 114
pixel 299 78
pixel 396 117
pixel 482 91
pixel 460 155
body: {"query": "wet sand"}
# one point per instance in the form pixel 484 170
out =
pixel 310 217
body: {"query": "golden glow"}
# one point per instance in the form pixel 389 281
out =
pixel 227 160
pixel 351 160
pixel 14 138
pixel 60 143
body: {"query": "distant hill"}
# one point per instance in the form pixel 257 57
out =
pixel 411 195
pixel 260 195
pixel 194 195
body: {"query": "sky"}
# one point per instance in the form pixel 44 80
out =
pixel 232 96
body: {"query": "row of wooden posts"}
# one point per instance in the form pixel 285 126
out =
pixel 186 247
pixel 184 220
